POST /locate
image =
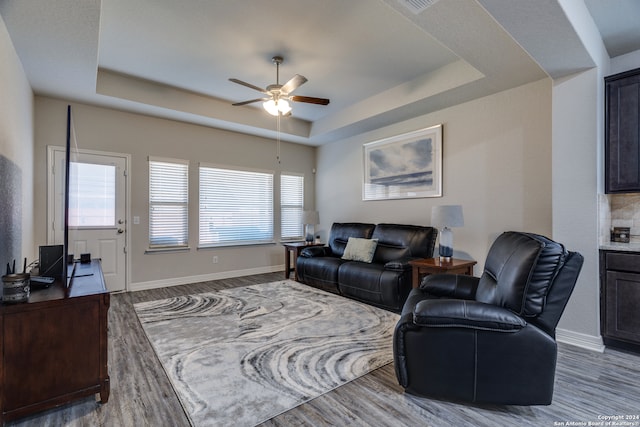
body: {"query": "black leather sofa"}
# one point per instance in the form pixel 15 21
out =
pixel 489 339
pixel 386 281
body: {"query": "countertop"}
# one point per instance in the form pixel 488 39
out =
pixel 625 247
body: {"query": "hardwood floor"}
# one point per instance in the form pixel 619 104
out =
pixel 589 386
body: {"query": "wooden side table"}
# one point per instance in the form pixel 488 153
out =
pixel 296 248
pixel 436 265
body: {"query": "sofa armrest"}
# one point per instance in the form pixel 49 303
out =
pixel 400 264
pixel 450 285
pixel 442 313
pixel 315 251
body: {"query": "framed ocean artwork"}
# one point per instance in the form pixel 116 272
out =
pixel 405 166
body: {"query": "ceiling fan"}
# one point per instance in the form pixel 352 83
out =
pixel 277 98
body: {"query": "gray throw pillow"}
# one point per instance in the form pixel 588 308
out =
pixel 359 249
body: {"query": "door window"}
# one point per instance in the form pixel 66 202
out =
pixel 92 195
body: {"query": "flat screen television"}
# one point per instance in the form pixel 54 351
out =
pixel 53 257
pixel 70 148
pixel 71 153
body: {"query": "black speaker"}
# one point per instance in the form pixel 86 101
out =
pixel 51 262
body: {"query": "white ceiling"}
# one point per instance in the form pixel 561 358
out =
pixel 377 60
pixel 618 23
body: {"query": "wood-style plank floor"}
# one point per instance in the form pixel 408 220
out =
pixel 589 386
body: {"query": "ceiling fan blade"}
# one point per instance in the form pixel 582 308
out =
pixel 295 82
pixel 249 85
pixel 250 101
pixel 310 100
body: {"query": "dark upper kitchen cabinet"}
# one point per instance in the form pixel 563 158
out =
pixel 622 132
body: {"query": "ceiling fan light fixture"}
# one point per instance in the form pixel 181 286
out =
pixel 283 106
pixel 277 95
pixel 276 107
pixel 271 107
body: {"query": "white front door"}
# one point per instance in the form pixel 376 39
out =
pixel 97 210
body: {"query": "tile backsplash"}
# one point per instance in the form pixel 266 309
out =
pixel 620 210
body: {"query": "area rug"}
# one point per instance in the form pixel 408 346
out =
pixel 242 356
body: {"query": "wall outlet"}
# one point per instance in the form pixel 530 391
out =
pixel 215 259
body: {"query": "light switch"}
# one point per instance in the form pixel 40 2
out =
pixel 136 220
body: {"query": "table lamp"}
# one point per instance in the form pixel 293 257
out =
pixel 310 219
pixel 444 217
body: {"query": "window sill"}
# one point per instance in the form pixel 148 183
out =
pixel 228 245
pixel 165 250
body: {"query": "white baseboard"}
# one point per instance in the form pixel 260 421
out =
pixel 577 339
pixel 155 284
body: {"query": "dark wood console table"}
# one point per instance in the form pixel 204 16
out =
pixel 53 348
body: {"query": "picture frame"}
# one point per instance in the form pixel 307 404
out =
pixel 406 166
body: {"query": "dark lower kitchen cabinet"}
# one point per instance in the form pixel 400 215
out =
pixel 620 299
pixel 622 132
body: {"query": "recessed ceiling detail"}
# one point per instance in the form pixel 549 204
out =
pixel 380 62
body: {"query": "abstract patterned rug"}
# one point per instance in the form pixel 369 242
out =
pixel 242 356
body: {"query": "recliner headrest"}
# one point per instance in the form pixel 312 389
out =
pixel 519 270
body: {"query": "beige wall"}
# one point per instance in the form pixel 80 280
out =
pixel 142 136
pixel 16 150
pixel 496 164
pixel 577 175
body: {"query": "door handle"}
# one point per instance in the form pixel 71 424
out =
pixel 120 231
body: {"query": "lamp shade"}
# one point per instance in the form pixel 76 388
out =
pixel 447 216
pixel 310 217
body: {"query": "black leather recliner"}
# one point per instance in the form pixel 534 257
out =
pixel 489 339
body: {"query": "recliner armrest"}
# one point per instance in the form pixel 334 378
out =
pixel 442 313
pixel 316 251
pixel 451 285
pixel 400 264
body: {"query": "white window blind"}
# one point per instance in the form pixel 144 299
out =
pixel 291 206
pixel 168 203
pixel 236 206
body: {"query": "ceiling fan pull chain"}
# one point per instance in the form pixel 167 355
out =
pixel 278 138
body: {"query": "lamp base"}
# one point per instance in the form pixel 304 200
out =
pixel 309 231
pixel 446 244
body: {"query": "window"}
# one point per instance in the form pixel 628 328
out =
pixel 291 206
pixel 168 203
pixel 236 206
